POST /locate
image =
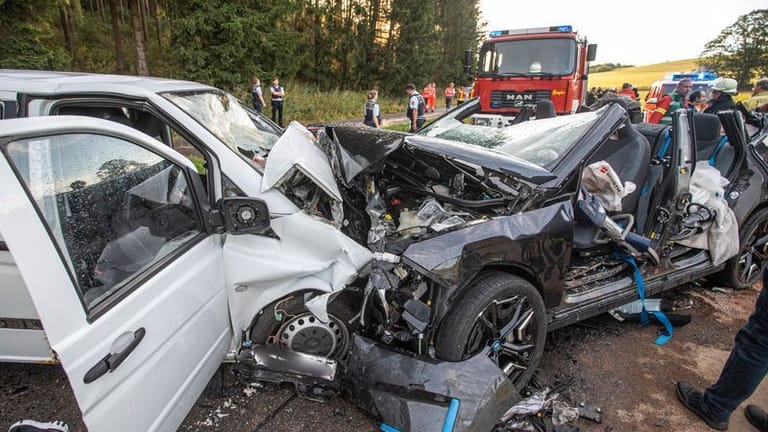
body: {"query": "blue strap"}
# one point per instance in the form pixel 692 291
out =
pixel 659 315
pixel 450 418
pixel 719 147
pixel 663 150
pixel 387 428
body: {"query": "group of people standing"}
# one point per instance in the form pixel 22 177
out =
pixel 277 93
pixel 721 99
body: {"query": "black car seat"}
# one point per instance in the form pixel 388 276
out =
pixel 629 155
pixel 545 109
pixel 711 145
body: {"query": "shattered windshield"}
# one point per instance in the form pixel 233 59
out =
pixel 541 142
pixel 224 116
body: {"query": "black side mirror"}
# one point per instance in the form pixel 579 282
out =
pixel 468 54
pixel 244 215
pixel 591 52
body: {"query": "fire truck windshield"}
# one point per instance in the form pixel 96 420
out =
pixel 527 57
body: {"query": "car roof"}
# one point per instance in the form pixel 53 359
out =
pixel 50 82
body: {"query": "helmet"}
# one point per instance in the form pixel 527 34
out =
pixel 726 85
pixel 535 68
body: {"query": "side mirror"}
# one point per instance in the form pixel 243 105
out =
pixel 467 61
pixel 244 215
pixel 591 52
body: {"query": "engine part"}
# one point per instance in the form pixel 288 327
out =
pixel 416 314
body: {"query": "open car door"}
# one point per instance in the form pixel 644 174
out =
pixel 106 226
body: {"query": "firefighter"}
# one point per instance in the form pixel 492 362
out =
pixel 626 90
pixel 722 91
pixel 759 95
pixel 671 102
pixel 460 96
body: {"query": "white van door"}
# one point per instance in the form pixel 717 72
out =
pixel 107 228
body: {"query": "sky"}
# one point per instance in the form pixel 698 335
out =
pixel 627 32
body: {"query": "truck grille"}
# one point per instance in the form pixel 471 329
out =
pixel 517 99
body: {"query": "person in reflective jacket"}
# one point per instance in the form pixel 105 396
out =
pixel 371 111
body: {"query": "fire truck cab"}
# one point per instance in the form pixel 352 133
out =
pixel 701 81
pixel 524 66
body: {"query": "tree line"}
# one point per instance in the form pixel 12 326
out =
pixel 335 44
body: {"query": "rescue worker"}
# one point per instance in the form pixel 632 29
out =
pixel 759 95
pixel 415 110
pixel 698 100
pixel 429 97
pixel 450 93
pixel 626 91
pixel 722 91
pixel 669 103
pixel 460 96
pixel 371 111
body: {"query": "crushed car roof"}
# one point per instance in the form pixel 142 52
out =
pixel 43 82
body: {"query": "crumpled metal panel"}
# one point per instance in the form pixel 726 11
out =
pixel 296 150
pixel 307 254
pixel 413 394
pixel 357 148
pixel 538 239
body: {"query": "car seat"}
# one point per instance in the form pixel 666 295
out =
pixel 114 114
pixel 629 155
pixel 711 145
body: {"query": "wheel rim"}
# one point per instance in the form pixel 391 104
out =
pixel 514 353
pixel 307 334
pixel 753 256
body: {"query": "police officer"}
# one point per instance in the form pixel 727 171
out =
pixel 415 111
pixel 670 103
pixel 278 93
pixel 372 111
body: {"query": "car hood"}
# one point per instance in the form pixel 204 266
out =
pixel 356 148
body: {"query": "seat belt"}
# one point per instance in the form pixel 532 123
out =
pixel 651 181
pixel 719 147
pixel 659 315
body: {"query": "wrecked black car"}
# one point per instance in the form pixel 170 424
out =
pixel 419 274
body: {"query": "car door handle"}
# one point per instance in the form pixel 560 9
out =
pixel 111 361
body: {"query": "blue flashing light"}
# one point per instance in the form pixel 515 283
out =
pixel 495 33
pixel 562 28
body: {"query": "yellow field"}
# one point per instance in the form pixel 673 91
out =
pixel 641 76
pixel 644 76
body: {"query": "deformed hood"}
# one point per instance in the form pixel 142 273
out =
pixel 359 148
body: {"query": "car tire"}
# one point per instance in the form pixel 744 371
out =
pixel 288 323
pixel 464 332
pixel 735 274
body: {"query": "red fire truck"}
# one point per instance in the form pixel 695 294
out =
pixel 521 67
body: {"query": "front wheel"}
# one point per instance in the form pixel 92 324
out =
pixel 743 270
pixel 495 302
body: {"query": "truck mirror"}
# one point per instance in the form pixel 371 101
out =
pixel 591 52
pixel 244 215
pixel 467 61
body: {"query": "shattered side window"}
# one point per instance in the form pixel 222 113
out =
pixel 113 208
pixel 223 115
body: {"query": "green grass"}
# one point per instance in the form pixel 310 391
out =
pixel 308 104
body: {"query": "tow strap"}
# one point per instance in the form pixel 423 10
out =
pixel 659 315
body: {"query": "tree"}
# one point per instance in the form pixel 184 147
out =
pixel 741 49
pixel 138 36
pixel 27 29
pixel 117 35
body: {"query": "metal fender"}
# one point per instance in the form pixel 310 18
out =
pixel 306 253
